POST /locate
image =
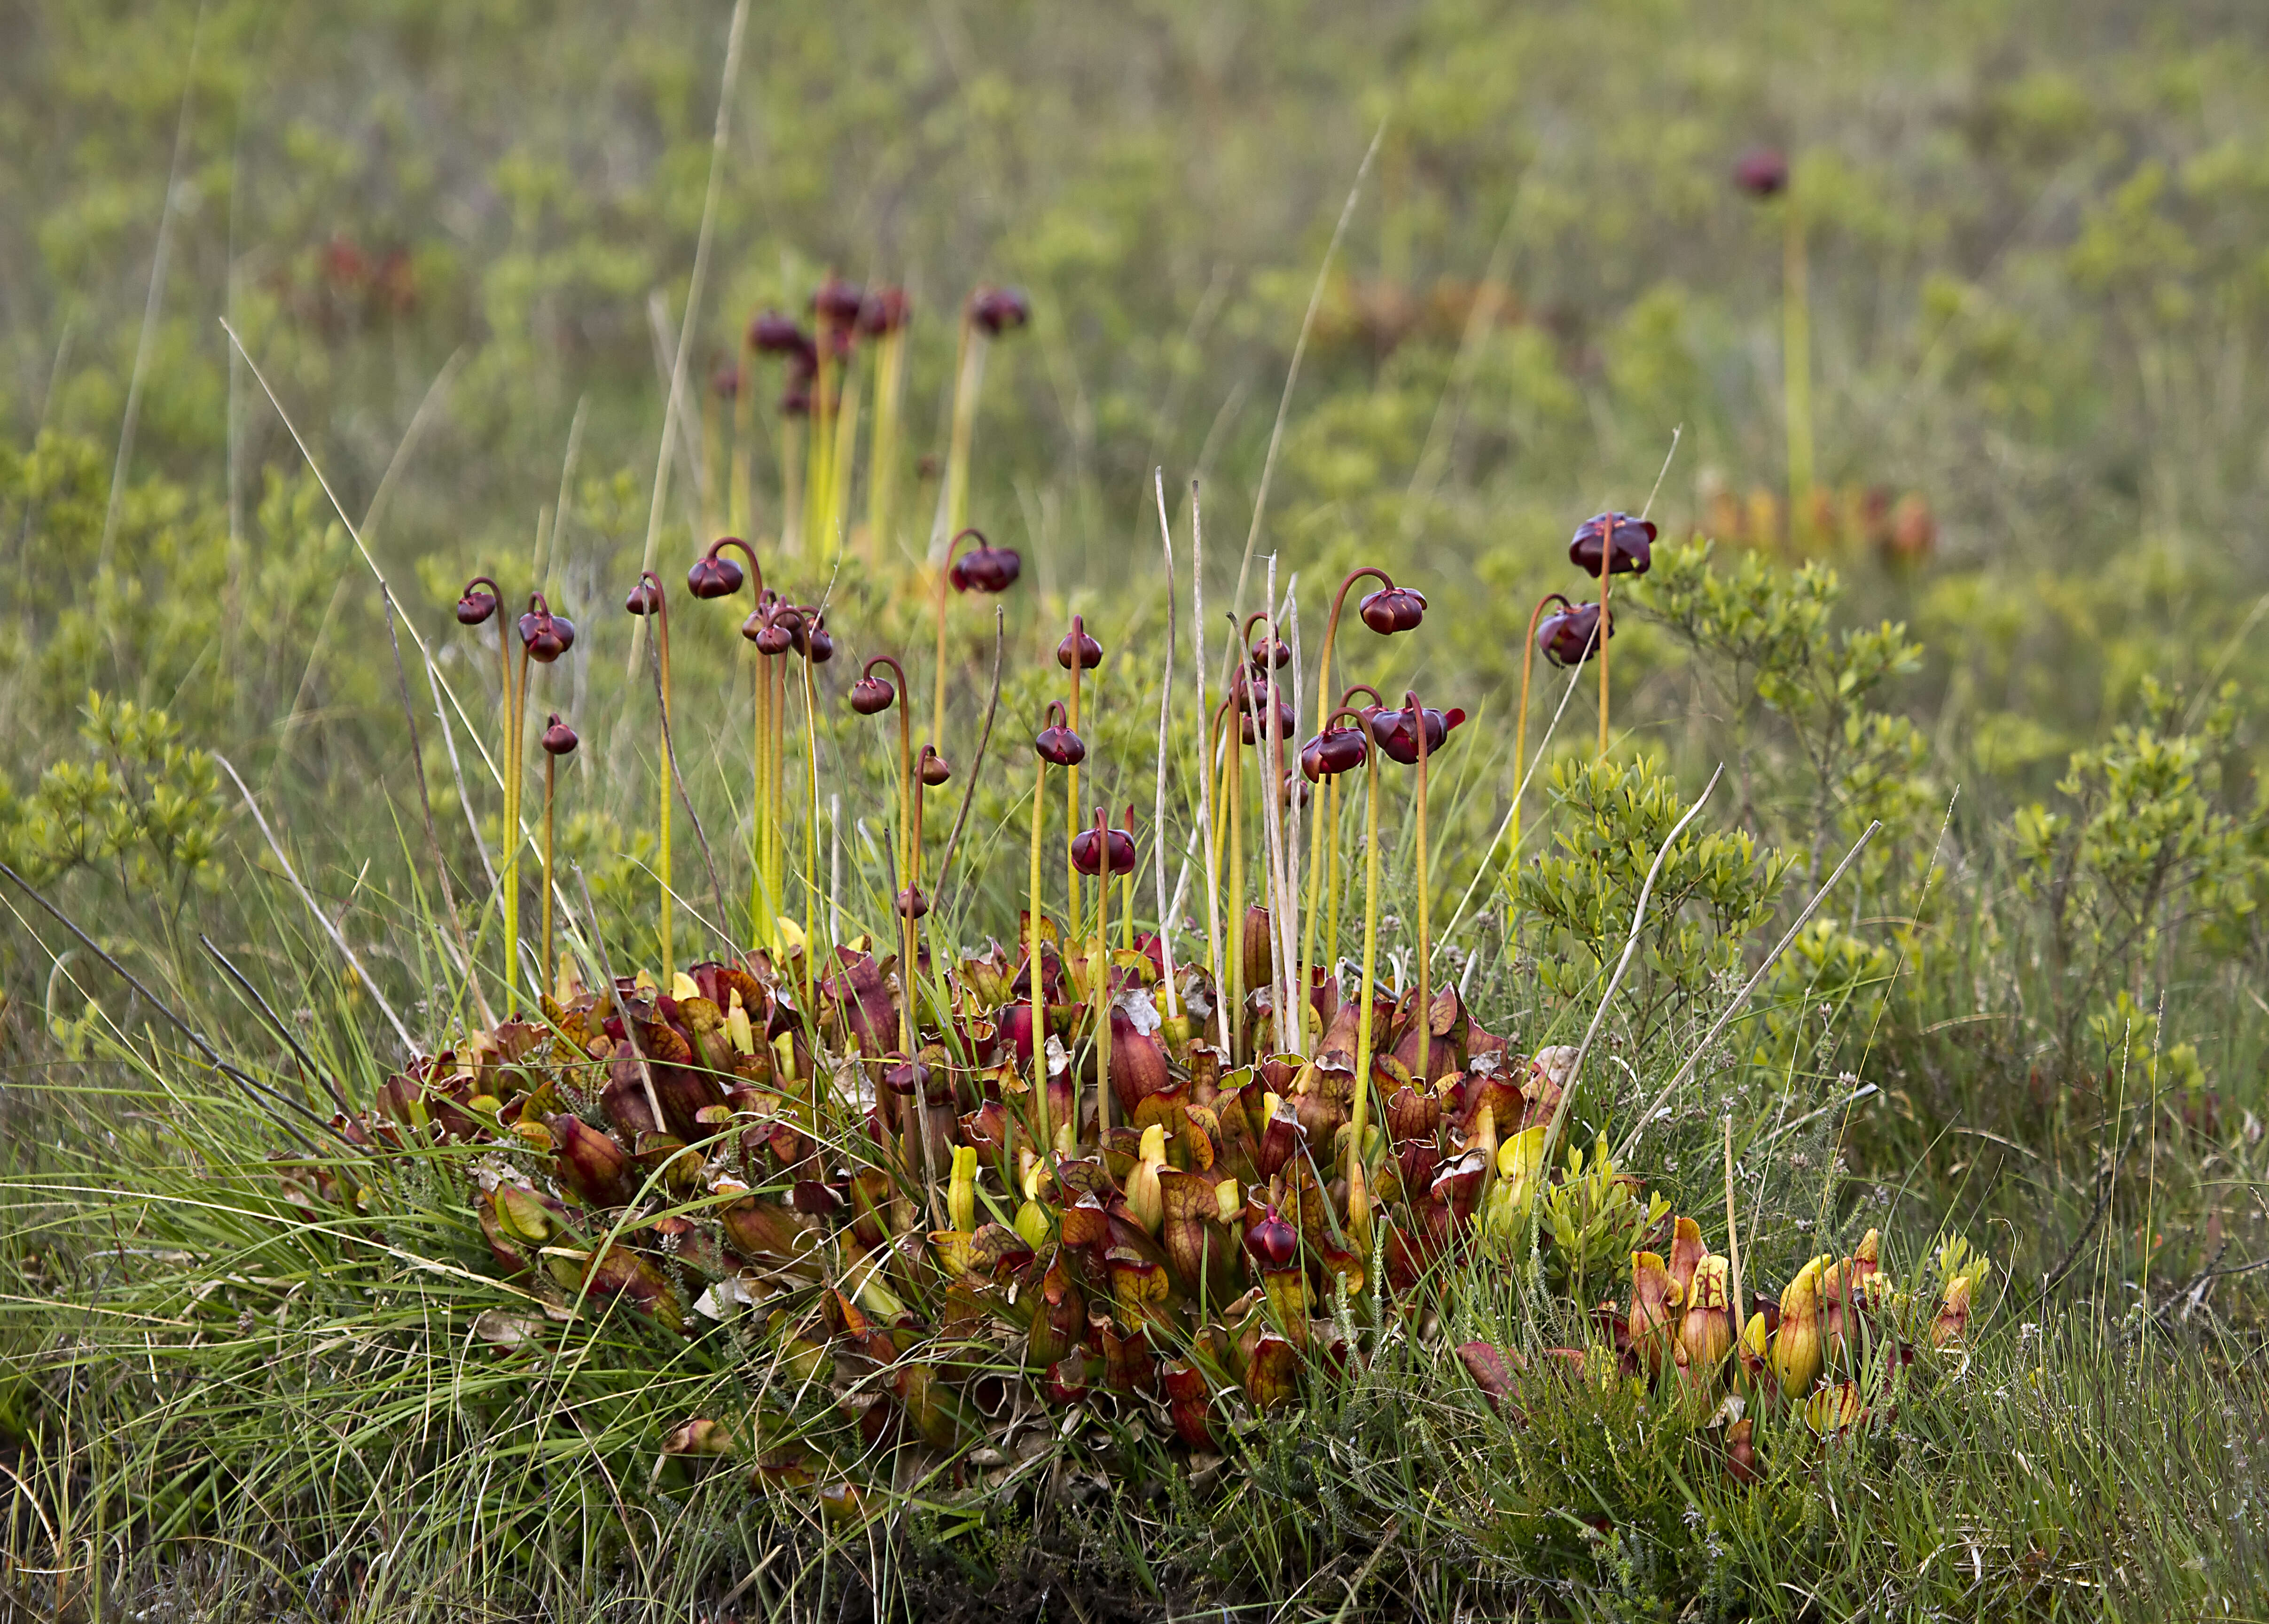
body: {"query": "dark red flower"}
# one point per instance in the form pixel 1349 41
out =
pixel 714 576
pixel 1080 646
pixel 1392 609
pixel 645 598
pixel 1090 849
pixel 998 310
pixel 1274 1243
pixel 1398 736
pixel 1568 635
pixel 912 904
pixel 1255 712
pixel 934 768
pixel 1631 552
pixel 1762 172
pixel 871 695
pixel 985 567
pixel 837 302
pixel 475 608
pixel 767 633
pixel 546 636
pixel 774 334
pixel 886 310
pixel 813 640
pixel 1056 744
pixel 1262 655
pixel 559 738
pixel 1334 751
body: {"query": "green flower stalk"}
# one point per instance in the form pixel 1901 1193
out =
pixel 1101 851
pixel 1078 653
pixel 989 313
pixel 475 606
pixel 647 598
pixel 1335 891
pixel 1389 609
pixel 984 568
pixel 885 317
pixel 712 576
pixel 1054 745
pixel 1411 736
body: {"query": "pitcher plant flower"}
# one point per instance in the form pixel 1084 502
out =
pixel 984 568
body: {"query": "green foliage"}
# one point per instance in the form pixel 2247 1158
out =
pixel 140 805
pixel 1715 888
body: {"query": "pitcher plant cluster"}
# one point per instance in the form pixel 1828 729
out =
pixel 1196 1165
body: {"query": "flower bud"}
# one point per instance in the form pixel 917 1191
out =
pixel 983 568
pixel 934 768
pixel 1762 172
pixel 1254 723
pixel 475 608
pixel 559 738
pixel 998 310
pixel 885 310
pixel 1267 652
pixel 712 576
pixel 1334 751
pixel 645 598
pixel 1080 646
pixel 774 334
pixel 1274 1243
pixel 1397 734
pixel 1392 609
pixel 837 303
pixel 1627 542
pixel 1058 746
pixel 912 904
pixel 770 636
pixel 871 695
pixel 815 643
pixel 1091 849
pixel 1569 635
pixel 546 636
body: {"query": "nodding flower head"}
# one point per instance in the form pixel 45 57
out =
pixel 983 568
pixel 902 1076
pixel 1334 751
pixel 1392 609
pixel 934 768
pixel 714 575
pixel 546 636
pixel 765 628
pixel 1397 731
pixel 1571 634
pixel 478 603
pixel 885 310
pixel 998 310
pixel 1079 648
pixel 1762 172
pixel 1057 744
pixel 837 303
pixel 1274 1243
pixel 1269 651
pixel 645 598
pixel 1629 543
pixel 1099 851
pixel 725 380
pixel 774 334
pixel 912 904
pixel 812 640
pixel 559 738
pixel 871 695
pixel 1252 708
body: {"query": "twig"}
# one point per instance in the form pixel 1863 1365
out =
pixel 308 897
pixel 969 790
pixel 1741 998
pixel 2109 1181
pixel 1630 946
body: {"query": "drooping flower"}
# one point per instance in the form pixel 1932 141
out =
pixel 1397 732
pixel 1392 609
pixel 985 567
pixel 1569 635
pixel 1762 172
pixel 998 310
pixel 1629 543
